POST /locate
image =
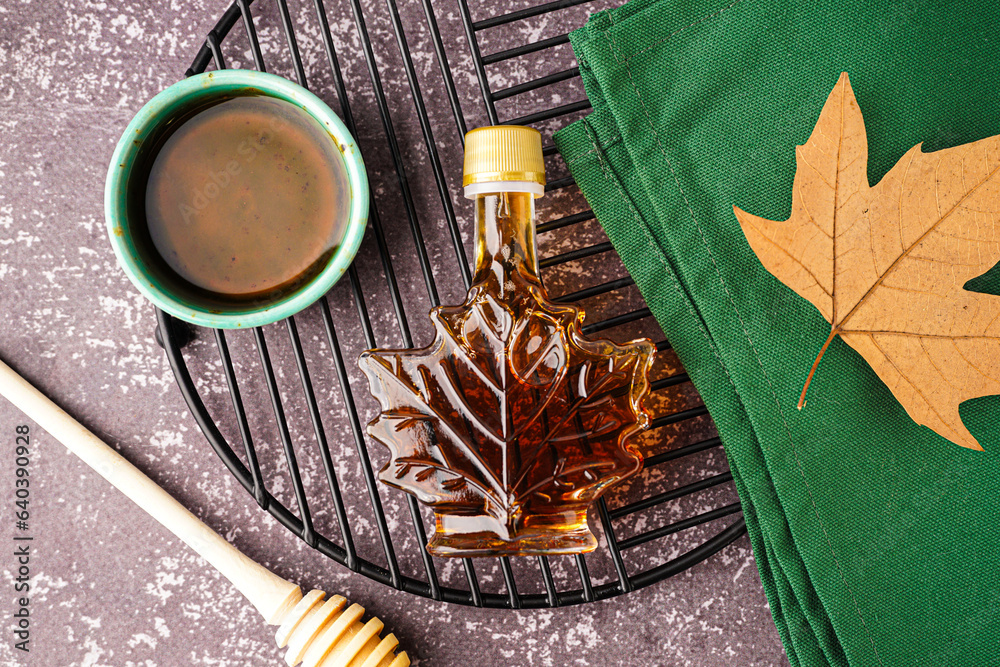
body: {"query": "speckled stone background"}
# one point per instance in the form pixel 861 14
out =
pixel 111 587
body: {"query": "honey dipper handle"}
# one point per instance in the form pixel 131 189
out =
pixel 270 594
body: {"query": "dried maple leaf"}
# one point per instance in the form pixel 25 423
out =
pixel 887 265
pixel 510 414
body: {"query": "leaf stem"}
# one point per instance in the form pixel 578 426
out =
pixel 812 371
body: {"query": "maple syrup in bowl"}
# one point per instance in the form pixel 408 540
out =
pixel 240 200
pixel 246 199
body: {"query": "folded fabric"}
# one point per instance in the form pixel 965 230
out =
pixel 877 541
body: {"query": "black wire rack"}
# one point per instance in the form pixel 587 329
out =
pixel 377 534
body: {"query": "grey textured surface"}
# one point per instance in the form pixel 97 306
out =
pixel 109 586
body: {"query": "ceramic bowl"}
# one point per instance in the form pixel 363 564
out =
pixel 148 125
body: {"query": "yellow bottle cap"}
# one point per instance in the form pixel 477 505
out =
pixel 503 153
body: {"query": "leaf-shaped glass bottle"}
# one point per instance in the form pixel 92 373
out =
pixel 511 423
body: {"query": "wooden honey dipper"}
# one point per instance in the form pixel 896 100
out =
pixel 318 633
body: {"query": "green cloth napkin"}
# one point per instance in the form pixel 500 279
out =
pixel 878 542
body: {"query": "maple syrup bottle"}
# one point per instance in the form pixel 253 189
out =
pixel 511 423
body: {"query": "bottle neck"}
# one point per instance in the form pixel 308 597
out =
pixel 505 239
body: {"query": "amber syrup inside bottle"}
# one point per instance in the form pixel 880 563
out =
pixel 511 423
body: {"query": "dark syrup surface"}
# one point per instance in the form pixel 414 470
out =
pixel 245 199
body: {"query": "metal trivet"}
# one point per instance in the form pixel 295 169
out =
pixel 674 515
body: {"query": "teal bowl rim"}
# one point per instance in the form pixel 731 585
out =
pixel 149 119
